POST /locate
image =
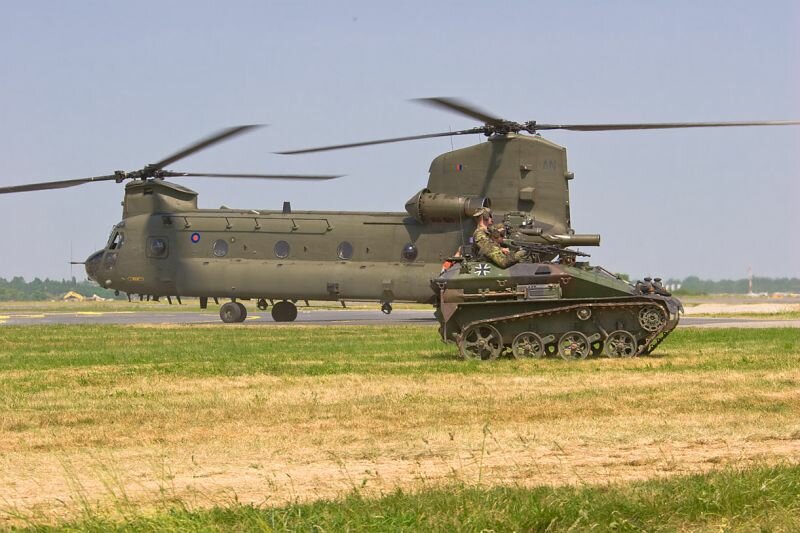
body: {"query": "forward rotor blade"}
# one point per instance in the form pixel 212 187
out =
pixel 168 173
pixel 659 126
pixel 204 143
pixel 382 141
pixel 459 106
pixel 46 185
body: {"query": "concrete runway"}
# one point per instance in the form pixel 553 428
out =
pixel 311 317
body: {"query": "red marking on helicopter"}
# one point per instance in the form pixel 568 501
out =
pixel 195 237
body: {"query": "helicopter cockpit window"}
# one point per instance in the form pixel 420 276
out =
pixel 345 250
pixel 110 260
pixel 409 252
pixel 157 247
pixel 116 241
pixel 281 249
pixel 220 248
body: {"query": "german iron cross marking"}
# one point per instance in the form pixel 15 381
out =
pixel 483 269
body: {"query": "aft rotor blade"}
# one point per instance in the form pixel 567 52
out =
pixel 204 143
pixel 169 174
pixel 659 126
pixel 383 141
pixel 46 185
pixel 459 106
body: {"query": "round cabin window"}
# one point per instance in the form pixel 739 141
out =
pixel 156 247
pixel 409 252
pixel 220 248
pixel 345 250
pixel 281 249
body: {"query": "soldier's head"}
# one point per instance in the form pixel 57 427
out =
pixel 497 232
pixel 483 216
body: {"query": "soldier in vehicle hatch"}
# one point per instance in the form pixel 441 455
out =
pixel 487 246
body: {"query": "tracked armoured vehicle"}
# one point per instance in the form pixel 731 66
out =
pixel 539 309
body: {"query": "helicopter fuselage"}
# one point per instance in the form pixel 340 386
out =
pixel 312 255
pixel 167 246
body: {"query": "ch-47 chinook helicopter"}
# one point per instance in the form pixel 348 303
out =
pixel 165 246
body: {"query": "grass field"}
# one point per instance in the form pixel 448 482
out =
pixel 151 425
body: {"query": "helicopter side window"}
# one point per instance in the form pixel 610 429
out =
pixel 409 252
pixel 281 249
pixel 345 250
pixel 157 247
pixel 220 248
pixel 117 241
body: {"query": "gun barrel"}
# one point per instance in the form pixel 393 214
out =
pixel 582 239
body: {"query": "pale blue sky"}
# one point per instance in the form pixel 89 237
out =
pixel 90 87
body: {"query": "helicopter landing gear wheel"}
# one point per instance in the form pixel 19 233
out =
pixel 480 342
pixel 573 345
pixel 652 318
pixel 231 312
pixel 527 344
pixel 620 343
pixel 244 311
pixel 284 311
pixel 386 308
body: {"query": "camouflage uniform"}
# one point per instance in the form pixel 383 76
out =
pixel 488 249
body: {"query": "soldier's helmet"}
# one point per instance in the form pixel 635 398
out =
pixel 483 212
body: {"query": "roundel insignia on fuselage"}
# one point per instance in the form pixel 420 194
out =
pixel 195 237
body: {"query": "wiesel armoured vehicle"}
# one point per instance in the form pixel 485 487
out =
pixel 540 307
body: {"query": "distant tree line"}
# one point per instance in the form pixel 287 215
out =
pixel 17 289
pixel 695 285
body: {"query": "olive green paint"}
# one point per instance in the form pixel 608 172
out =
pixel 519 174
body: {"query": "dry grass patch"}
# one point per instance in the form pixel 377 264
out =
pixel 151 417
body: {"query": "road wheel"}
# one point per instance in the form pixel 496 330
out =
pixel 527 344
pixel 573 345
pixel 480 342
pixel 620 343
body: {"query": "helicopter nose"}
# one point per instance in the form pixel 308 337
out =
pixel 93 265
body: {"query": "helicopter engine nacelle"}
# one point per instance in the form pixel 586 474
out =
pixel 430 207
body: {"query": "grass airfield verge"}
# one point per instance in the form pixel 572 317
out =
pixel 757 499
pixel 131 424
